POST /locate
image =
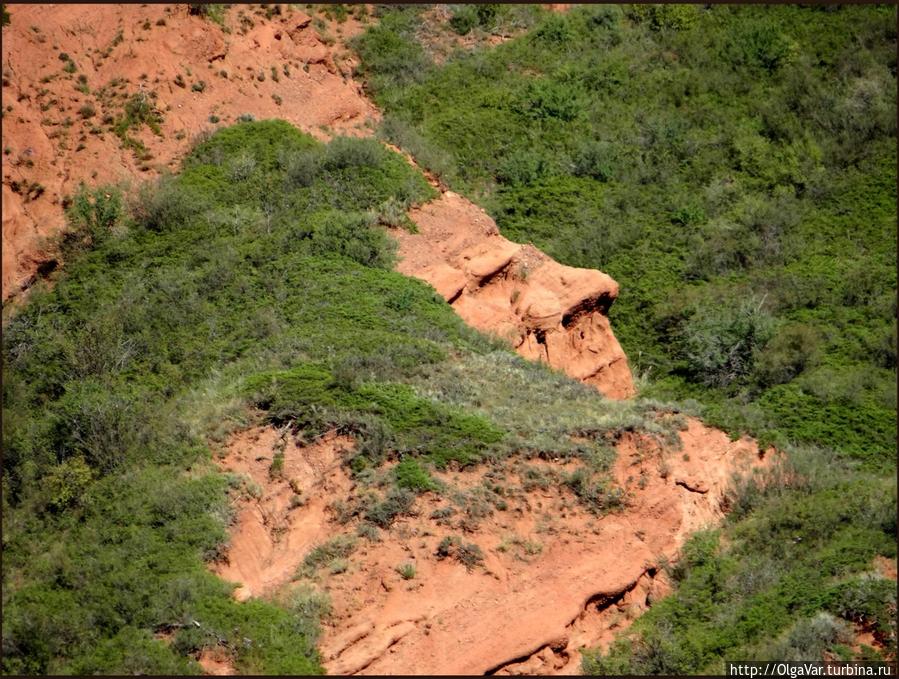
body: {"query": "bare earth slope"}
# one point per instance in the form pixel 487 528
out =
pixel 51 143
pixel 555 578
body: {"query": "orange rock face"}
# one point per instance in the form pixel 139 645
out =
pixel 547 311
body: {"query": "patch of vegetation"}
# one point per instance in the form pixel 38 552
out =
pixel 114 379
pixel 599 496
pixel 176 310
pixel 731 167
pixel 333 12
pixel 466 553
pixel 410 474
pixel 397 502
pixel 329 554
pixel 140 109
pixel 522 548
pixel 382 416
pixel 407 571
pixel 276 468
pixel 215 12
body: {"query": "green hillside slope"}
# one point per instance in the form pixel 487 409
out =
pixel 734 168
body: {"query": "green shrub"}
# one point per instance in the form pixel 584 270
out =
pixel 339 547
pixel 114 378
pixel 242 167
pixel 409 474
pixel 276 469
pixel 659 17
pixel 720 346
pixel 392 213
pixel 93 214
pixel 139 110
pixel 596 160
pixel 789 352
pixel 764 46
pixel 398 502
pixel 599 497
pixel 352 235
pixel 66 484
pixel 522 167
pixel 406 571
pixel 301 167
pixel 464 19
pixel 388 49
pixel 551 99
pixel 135 652
pixel 344 152
pixel 165 205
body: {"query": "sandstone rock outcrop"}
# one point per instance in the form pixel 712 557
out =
pixel 547 311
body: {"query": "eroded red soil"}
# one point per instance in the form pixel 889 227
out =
pixel 554 577
pixel 276 66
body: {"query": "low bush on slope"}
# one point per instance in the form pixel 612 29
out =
pixel 256 277
pixel 732 167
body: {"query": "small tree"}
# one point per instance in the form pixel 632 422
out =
pixel 720 343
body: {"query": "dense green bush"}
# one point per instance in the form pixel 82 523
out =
pixel 464 19
pixel 92 216
pixel 720 345
pixel 105 535
pixel 409 474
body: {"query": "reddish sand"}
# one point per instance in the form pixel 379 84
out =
pixel 216 662
pixel 555 578
pixel 40 148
